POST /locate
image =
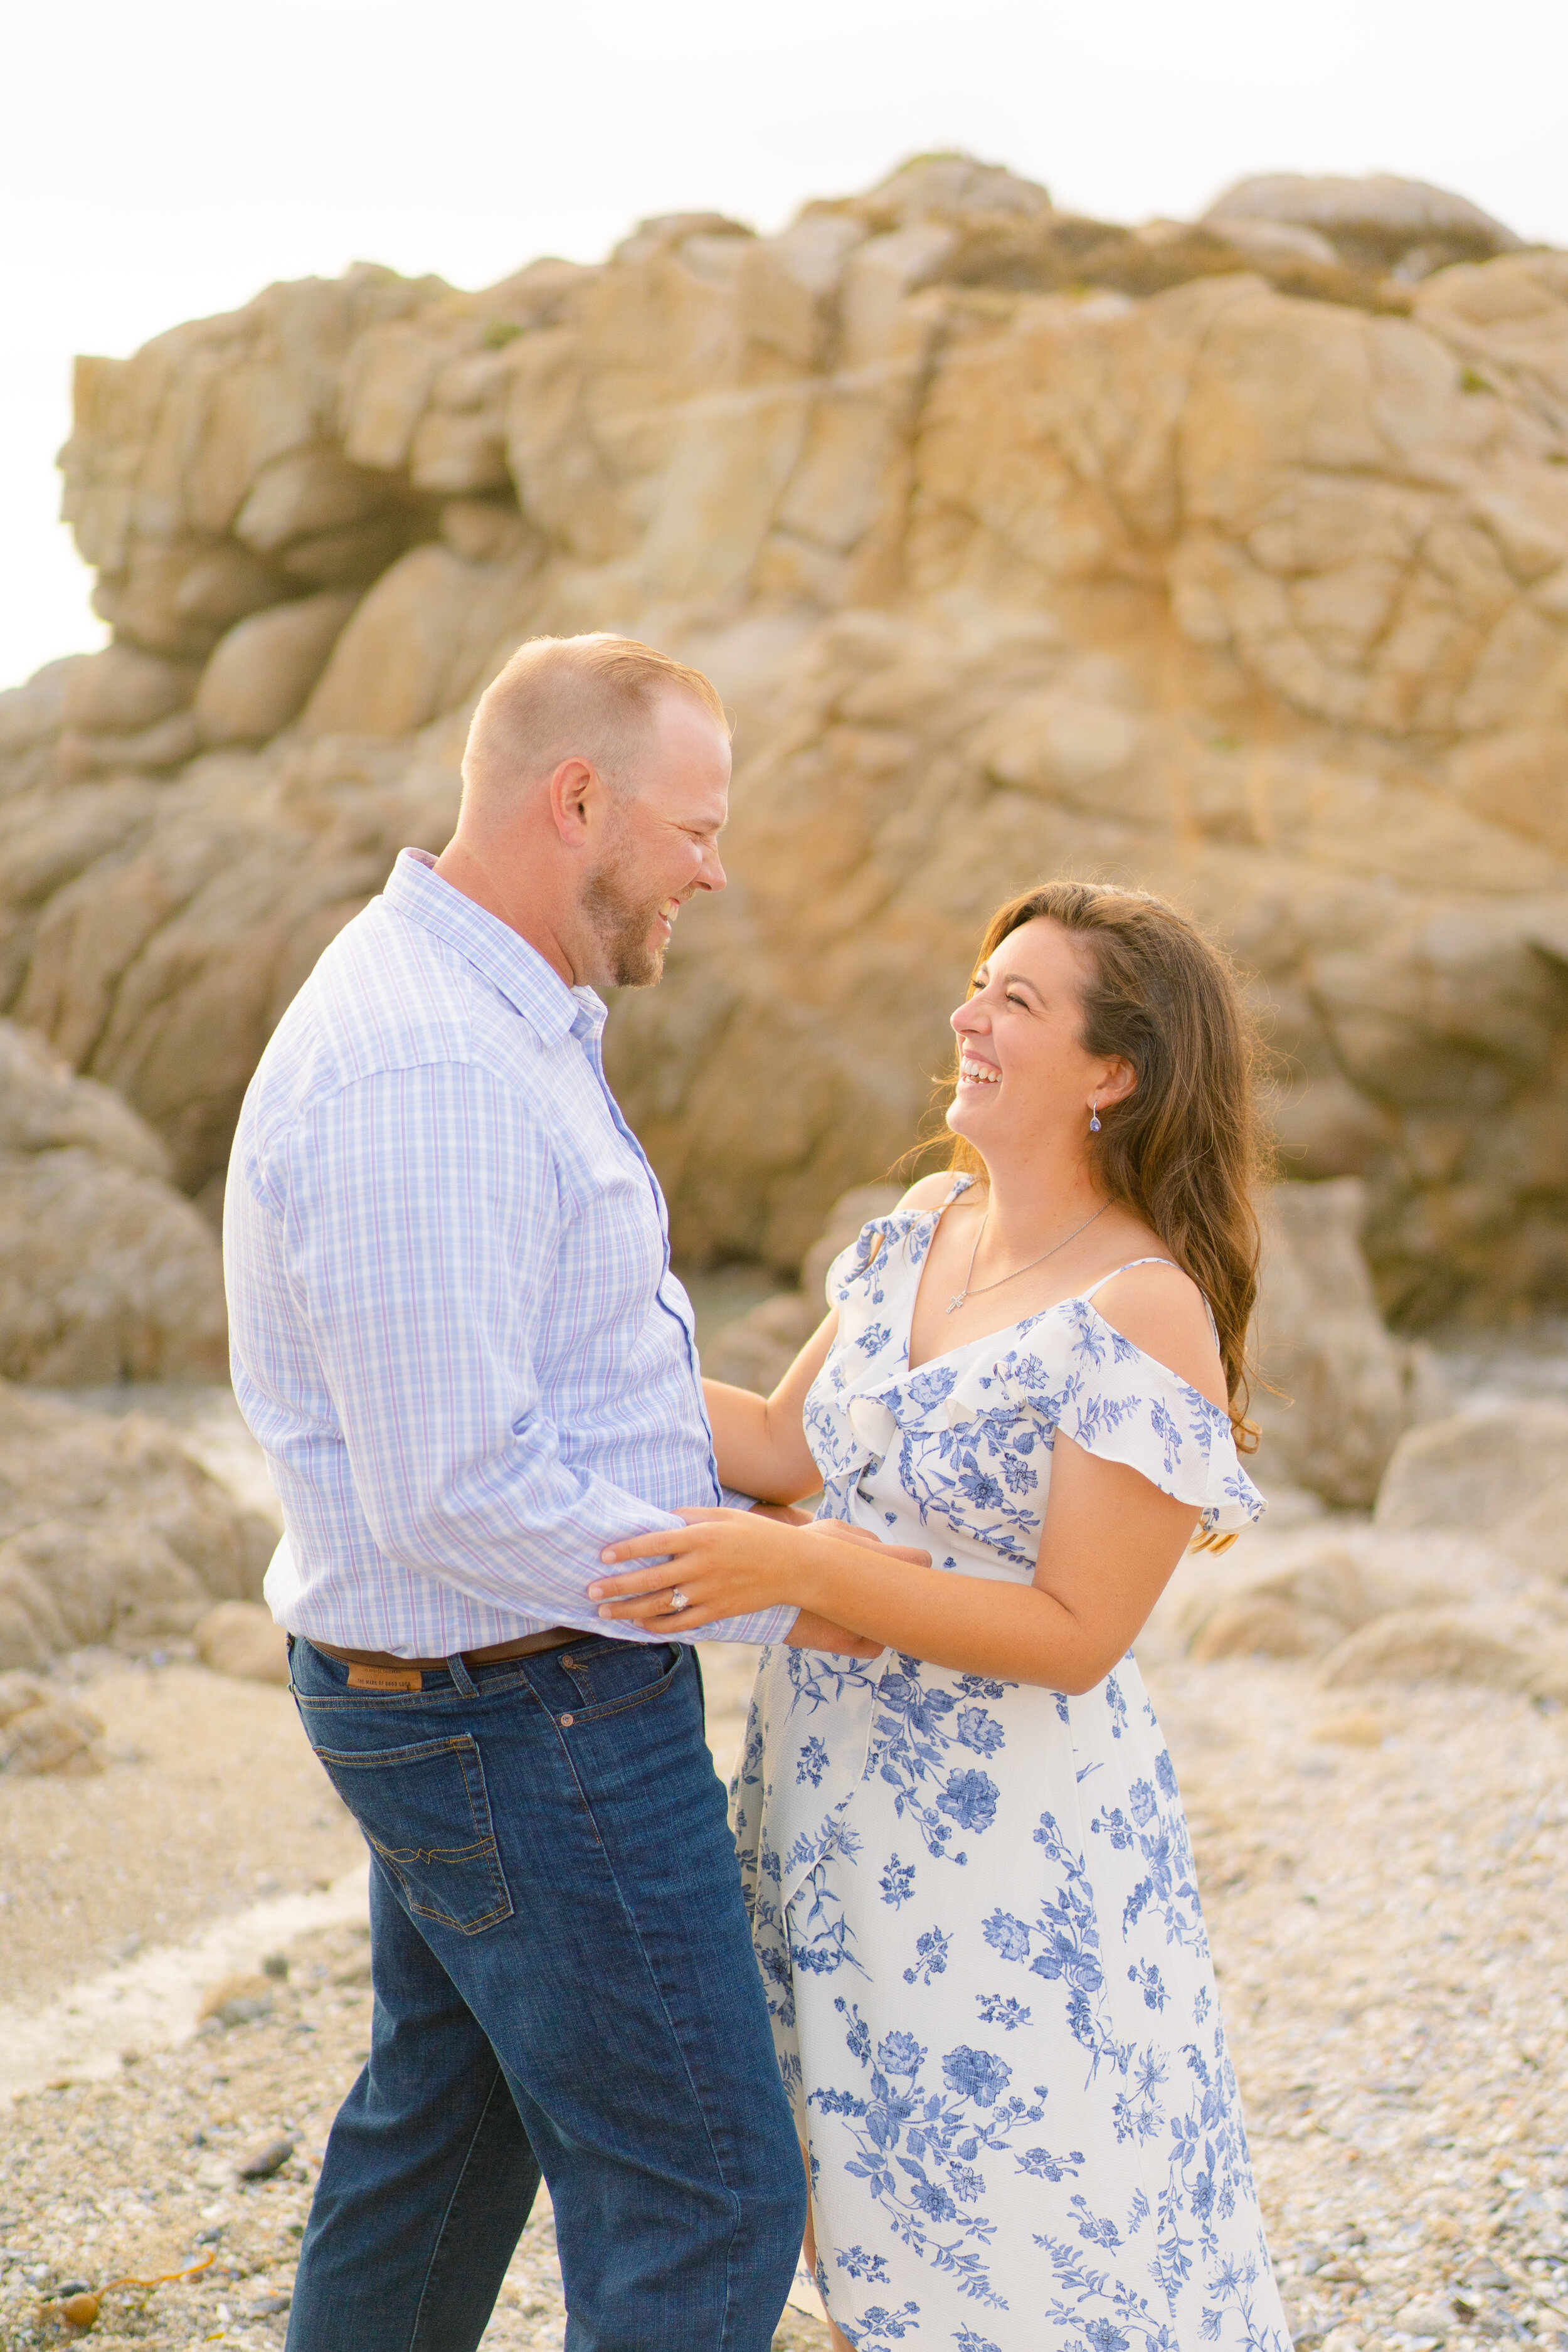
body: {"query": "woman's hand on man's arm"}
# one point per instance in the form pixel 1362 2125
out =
pixel 721 1554
pixel 1111 1541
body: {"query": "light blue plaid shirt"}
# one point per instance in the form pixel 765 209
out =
pixel 454 1327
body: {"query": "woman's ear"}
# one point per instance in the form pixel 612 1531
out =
pixel 1118 1083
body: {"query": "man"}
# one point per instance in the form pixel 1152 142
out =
pixel 455 1334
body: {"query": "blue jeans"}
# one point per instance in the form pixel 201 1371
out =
pixel 563 1980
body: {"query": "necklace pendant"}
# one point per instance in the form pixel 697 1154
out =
pixel 956 1301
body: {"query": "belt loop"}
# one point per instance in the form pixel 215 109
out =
pixel 461 1676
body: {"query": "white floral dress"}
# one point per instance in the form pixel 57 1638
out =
pixel 972 1900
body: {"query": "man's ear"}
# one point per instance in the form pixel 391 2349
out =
pixel 569 788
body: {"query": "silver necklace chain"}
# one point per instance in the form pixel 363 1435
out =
pixel 972 1290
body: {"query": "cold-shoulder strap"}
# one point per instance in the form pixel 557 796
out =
pixel 1087 1295
pixel 961 1184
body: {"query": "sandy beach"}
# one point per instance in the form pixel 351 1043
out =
pixel 1382 1882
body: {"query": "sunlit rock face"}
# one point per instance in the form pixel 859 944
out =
pixel 1228 558
pixel 107 1272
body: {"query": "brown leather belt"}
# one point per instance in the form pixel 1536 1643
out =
pixel 526 1647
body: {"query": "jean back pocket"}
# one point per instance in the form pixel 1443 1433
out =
pixel 426 1817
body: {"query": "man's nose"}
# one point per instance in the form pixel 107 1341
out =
pixel 711 874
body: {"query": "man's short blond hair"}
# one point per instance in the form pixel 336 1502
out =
pixel 589 698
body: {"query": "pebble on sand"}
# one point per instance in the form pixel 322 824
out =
pixel 268 2157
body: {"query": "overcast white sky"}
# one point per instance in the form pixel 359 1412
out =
pixel 165 161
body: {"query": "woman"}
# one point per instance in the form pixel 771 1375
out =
pixel 970 1878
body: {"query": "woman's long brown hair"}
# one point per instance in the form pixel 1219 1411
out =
pixel 1182 1149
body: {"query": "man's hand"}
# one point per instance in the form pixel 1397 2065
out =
pixel 810 1632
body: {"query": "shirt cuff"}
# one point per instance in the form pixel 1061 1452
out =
pixel 733 1500
pixel 767 1625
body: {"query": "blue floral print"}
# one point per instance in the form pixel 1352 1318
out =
pixel 973 1901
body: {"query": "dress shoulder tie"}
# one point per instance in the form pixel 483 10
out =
pixel 1087 1295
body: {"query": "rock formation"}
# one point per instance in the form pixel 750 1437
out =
pixel 40 1734
pixel 110 1532
pixel 1337 1392
pixel 106 1273
pixel 239 1638
pixel 1460 1574
pixel 1228 557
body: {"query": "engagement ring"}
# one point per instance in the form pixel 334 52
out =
pixel 678 1601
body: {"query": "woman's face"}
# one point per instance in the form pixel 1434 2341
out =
pixel 1022 1076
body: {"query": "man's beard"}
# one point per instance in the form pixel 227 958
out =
pixel 625 923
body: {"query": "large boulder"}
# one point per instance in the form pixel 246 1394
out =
pixel 1303 1612
pixel 1454 1646
pixel 1336 1390
pixel 1405 227
pixel 758 1347
pixel 1213 556
pixel 1299 1591
pixel 239 1638
pixel 106 1273
pixel 51 1738
pixel 260 674
pixel 1501 1471
pixel 110 1532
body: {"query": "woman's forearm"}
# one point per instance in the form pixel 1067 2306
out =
pixel 1110 1542
pixel 757 1450
pixel 972 1624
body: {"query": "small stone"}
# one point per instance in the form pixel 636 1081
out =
pixel 1355 1728
pixel 238 2000
pixel 1434 2319
pixel 275 1964
pixel 268 2157
pixel 243 2011
pixel 269 2305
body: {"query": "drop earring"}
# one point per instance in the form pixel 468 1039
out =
pixel 1094 1116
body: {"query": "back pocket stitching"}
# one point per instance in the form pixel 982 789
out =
pixel 465 1750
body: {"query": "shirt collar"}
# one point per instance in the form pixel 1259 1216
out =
pixel 501 955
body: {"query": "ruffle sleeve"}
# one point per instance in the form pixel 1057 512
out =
pixel 1123 1406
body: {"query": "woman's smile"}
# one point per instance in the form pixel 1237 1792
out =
pixel 973 1072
